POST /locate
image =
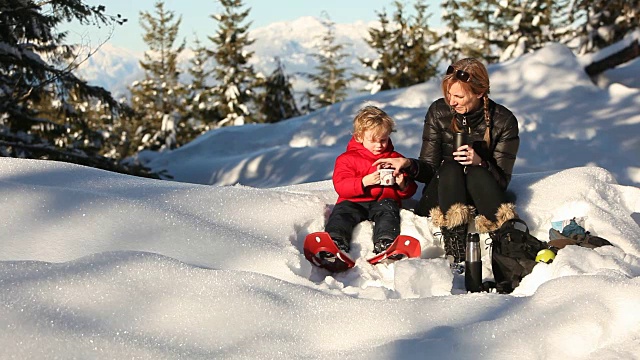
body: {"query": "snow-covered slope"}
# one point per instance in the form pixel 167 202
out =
pixel 565 121
pixel 106 266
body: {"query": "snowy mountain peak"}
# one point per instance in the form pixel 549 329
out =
pixel 293 41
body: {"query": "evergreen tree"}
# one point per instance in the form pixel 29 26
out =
pixel 600 23
pixel 233 94
pixel 452 48
pixel 41 99
pixel 158 98
pixel 400 44
pixel 480 29
pixel 306 105
pixel 278 102
pixel 118 130
pixel 405 52
pixel 330 78
pixel 420 51
pixel 380 40
pixel 562 14
pixel 200 107
pixel 527 26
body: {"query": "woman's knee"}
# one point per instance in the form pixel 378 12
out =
pixel 450 169
pixel 481 179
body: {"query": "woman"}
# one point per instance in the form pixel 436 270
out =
pixel 473 177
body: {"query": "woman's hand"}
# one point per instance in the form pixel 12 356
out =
pixel 465 155
pixel 401 181
pixel 398 164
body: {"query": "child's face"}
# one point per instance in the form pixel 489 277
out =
pixel 374 141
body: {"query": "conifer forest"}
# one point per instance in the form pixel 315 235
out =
pixel 48 112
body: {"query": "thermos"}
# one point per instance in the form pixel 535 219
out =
pixel 473 264
pixel 459 139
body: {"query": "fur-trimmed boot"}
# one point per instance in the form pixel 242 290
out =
pixel 453 227
pixel 506 211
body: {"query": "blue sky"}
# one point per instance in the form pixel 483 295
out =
pixel 196 15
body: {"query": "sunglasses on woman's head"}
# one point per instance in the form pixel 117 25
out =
pixel 459 74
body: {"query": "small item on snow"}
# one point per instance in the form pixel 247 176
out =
pixel 545 256
pixel 573 229
pixel 574 234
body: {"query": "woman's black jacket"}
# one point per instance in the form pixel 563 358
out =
pixel 437 139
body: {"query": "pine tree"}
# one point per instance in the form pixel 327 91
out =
pixel 480 29
pixel 380 40
pixel 600 23
pixel 200 107
pixel 420 54
pixel 233 93
pixel 41 99
pixel 405 53
pixel 400 48
pixel 158 98
pixel 278 102
pixel 330 78
pixel 562 18
pixel 527 26
pixel 306 105
pixel 452 48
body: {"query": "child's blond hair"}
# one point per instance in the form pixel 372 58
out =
pixel 372 118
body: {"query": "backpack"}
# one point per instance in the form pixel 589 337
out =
pixel 513 254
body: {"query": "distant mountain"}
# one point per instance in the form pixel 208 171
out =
pixel 292 41
pixel 112 68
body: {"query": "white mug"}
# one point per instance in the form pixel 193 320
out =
pixel 386 177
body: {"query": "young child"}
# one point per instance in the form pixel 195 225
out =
pixel 361 196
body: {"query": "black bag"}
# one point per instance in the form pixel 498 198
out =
pixel 513 254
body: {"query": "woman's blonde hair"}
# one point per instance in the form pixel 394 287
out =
pixel 478 83
pixel 372 118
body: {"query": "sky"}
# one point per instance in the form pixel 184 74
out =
pixel 196 16
pixel 99 265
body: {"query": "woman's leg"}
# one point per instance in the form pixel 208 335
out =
pixel 452 216
pixel 452 188
pixel 489 199
pixel 485 192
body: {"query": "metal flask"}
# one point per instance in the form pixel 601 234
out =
pixel 473 264
pixel 459 139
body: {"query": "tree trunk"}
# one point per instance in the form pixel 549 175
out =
pixel 628 53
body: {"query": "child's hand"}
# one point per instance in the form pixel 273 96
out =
pixel 371 179
pixel 401 181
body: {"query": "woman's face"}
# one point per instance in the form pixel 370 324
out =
pixel 461 100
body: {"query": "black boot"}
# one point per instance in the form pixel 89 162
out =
pixel 455 242
pixel 340 242
pixel 381 245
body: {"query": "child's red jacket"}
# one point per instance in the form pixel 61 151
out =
pixel 352 165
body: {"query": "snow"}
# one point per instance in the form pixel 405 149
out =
pixel 97 265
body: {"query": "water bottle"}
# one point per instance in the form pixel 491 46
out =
pixel 473 264
pixel 459 139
